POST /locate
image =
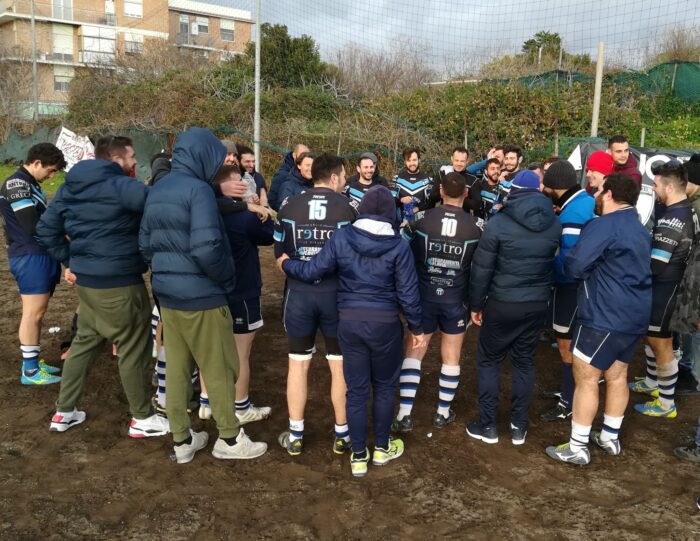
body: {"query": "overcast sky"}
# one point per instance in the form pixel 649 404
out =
pixel 445 31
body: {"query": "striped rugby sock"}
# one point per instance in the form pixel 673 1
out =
pixel 296 430
pixel 579 436
pixel 30 359
pixel 342 432
pixel 650 379
pixel 668 375
pixel 242 405
pixel 449 379
pixel 408 385
pixel 611 427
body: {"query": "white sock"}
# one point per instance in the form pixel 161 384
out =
pixel 651 376
pixel 579 436
pixel 449 379
pixel 408 385
pixel 611 427
pixel 668 375
pixel 296 429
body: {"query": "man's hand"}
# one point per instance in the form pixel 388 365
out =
pixel 407 199
pixel 255 199
pixel 69 277
pixel 263 213
pixel 477 318
pixel 419 341
pixel 280 262
pixel 234 188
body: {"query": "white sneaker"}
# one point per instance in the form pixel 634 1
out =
pixel 252 414
pixel 185 453
pixel 243 449
pixel 155 425
pixel 63 420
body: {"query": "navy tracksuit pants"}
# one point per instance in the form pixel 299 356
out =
pixel 508 327
pixel 372 358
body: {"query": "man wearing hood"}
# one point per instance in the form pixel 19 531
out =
pixel 183 238
pixel 282 175
pixel 377 278
pixel 508 294
pixel 99 208
pixel 623 161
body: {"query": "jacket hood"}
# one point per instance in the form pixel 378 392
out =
pixel 88 172
pixel 531 209
pixel 289 160
pixel 369 244
pixel 198 153
pixel 296 175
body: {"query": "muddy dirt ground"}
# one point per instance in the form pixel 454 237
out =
pixel 93 482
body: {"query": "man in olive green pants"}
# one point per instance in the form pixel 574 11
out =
pixel 119 316
pixel 206 336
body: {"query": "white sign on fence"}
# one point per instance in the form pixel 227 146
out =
pixel 75 147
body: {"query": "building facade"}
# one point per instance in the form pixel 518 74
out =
pixel 74 35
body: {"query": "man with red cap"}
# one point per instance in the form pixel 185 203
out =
pixel 599 165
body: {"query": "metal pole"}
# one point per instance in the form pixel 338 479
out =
pixel 539 57
pixel 673 81
pixel 256 115
pixel 35 82
pixel 642 137
pixel 598 88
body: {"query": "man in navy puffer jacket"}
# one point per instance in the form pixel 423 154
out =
pixel 512 268
pixel 376 278
pixel 99 209
pixel 183 237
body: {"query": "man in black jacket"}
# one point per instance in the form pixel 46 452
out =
pixel 460 158
pixel 512 268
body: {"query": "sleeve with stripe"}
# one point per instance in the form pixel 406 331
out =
pixel 19 195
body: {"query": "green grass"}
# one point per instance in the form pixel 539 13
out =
pixel 49 187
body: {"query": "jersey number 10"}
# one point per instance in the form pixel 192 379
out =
pixel 449 227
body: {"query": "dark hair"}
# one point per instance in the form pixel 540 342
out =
pixel 325 165
pixel 408 152
pixel 492 160
pixel 225 172
pixel 165 155
pixel 244 150
pixel 534 166
pixel 111 145
pixel 499 147
pixel 301 157
pixel 48 154
pixel 672 172
pixel 550 161
pixel 512 148
pixel 363 158
pixel 623 188
pixel 617 139
pixel 453 185
pixel 461 150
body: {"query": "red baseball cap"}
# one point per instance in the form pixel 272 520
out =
pixel 601 162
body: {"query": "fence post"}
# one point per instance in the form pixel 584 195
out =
pixel 673 80
pixel 642 137
pixel 598 88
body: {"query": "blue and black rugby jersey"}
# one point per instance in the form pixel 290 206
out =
pixel 490 196
pixel 21 205
pixel 417 185
pixel 355 190
pixel 674 230
pixel 305 222
pixel 443 240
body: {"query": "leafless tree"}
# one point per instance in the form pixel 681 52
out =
pixel 15 90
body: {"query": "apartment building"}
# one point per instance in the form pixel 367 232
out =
pixel 74 35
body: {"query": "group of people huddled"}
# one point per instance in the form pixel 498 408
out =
pixel 378 267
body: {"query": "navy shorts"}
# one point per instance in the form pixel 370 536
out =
pixel 35 274
pixel 450 318
pixel 602 348
pixel 305 312
pixel 246 314
pixel 663 301
pixel 563 308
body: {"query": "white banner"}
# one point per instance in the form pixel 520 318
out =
pixel 75 147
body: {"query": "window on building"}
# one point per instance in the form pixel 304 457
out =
pixel 203 25
pixel 133 8
pixel 226 30
pixel 62 9
pixel 62 76
pixel 99 45
pixel 201 53
pixel 133 43
pixel 62 42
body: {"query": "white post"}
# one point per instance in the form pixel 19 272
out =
pixel 598 88
pixel 642 137
pixel 35 80
pixel 256 114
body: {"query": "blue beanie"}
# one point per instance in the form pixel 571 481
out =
pixel 526 180
pixel 378 201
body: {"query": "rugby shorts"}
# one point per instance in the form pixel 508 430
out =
pixel 450 318
pixel 663 301
pixel 304 313
pixel 602 348
pixel 35 274
pixel 247 316
pixel 564 307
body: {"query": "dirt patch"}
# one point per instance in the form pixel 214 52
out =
pixel 93 482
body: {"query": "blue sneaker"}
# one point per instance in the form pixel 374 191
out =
pixel 39 378
pixel 654 409
pixel 639 385
pixel 48 368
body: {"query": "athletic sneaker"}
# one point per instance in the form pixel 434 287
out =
pixel 564 453
pixel 551 394
pixel 689 452
pixel 155 425
pixel 517 434
pixel 358 466
pixel 252 414
pixel 295 447
pixel 393 450
pixel 487 434
pixel 639 385
pixel 654 409
pixel 243 449
pixel 48 368
pixel 558 413
pixel 40 377
pixel 185 453
pixel 341 446
pixel 441 422
pixel 63 420
pixel 403 425
pixel 612 447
